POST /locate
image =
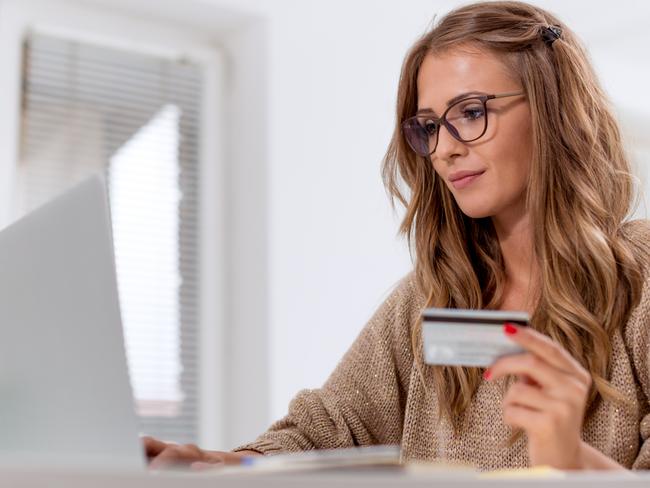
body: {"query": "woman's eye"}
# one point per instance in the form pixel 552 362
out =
pixel 473 113
pixel 429 126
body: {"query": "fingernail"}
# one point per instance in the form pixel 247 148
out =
pixel 509 329
pixel 487 374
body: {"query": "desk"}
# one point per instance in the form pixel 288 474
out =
pixel 16 478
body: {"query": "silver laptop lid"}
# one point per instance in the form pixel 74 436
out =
pixel 65 397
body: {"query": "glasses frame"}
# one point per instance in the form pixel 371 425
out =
pixel 442 120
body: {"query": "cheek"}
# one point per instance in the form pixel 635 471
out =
pixel 513 171
pixel 511 156
pixel 509 177
pixel 438 167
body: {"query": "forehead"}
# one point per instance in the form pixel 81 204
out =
pixel 443 76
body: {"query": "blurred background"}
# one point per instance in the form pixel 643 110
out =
pixel 241 141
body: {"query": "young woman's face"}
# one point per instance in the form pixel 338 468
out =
pixel 499 161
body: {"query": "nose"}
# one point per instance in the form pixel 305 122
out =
pixel 448 146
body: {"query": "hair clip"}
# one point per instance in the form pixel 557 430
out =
pixel 550 34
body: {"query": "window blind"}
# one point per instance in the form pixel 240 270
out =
pixel 89 108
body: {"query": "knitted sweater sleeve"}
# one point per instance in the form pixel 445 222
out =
pixel 363 400
pixel 638 343
pixel 637 340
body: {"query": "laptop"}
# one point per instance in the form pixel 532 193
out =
pixel 65 396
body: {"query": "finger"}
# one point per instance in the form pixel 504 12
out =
pixel 526 365
pixel 527 392
pixel 167 459
pixel 177 455
pixel 545 417
pixel 560 410
pixel 152 446
pixel 544 347
pixel 525 418
pixel 527 380
pixel 523 395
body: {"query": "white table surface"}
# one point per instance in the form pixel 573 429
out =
pixel 32 478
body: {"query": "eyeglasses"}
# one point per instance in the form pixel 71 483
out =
pixel 466 120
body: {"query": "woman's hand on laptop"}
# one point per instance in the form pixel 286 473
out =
pixel 163 455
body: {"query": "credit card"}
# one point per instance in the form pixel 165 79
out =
pixel 459 337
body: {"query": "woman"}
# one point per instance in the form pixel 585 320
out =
pixel 516 186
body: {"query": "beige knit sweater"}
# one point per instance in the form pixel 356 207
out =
pixel 375 396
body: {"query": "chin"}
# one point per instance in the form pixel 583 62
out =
pixel 476 211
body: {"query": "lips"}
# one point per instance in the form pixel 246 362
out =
pixel 461 179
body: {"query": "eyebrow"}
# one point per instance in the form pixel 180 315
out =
pixel 451 101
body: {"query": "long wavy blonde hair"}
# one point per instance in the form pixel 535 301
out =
pixel 579 193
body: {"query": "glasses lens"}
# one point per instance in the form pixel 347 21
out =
pixel 468 118
pixel 420 133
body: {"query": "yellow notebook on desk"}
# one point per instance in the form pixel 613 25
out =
pixel 536 472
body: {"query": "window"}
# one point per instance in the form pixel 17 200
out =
pixel 89 108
